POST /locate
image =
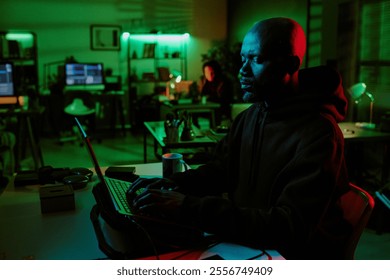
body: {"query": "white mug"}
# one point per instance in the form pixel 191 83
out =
pixel 173 163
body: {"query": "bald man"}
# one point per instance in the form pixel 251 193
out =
pixel 276 177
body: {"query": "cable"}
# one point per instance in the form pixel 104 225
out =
pixel 257 256
pixel 263 252
pixel 195 249
pixel 269 257
pixel 149 238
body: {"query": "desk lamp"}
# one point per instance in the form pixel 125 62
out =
pixel 78 108
pixel 357 91
pixel 175 78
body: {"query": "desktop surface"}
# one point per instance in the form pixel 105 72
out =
pixel 26 233
pixel 352 132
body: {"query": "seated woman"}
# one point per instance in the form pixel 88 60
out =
pixel 216 87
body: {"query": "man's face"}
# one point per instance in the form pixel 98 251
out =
pixel 260 73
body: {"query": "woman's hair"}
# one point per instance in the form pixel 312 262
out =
pixel 215 65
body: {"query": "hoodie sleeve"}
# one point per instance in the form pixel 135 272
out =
pixel 208 179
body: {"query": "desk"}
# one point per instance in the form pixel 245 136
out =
pixel 354 136
pixel 225 250
pixel 156 129
pixel 24 123
pixel 25 233
pixel 352 133
pixel 193 108
pixel 109 109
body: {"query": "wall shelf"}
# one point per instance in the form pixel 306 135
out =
pixel 20 48
pixel 150 52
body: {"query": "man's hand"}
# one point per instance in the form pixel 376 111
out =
pixel 159 203
pixel 142 183
pixel 144 195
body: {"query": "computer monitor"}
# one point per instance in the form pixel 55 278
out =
pixel 8 90
pixel 7 87
pixel 89 76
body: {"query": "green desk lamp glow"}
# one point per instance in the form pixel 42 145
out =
pixel 357 91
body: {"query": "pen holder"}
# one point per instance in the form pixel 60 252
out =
pixel 172 134
pixel 187 134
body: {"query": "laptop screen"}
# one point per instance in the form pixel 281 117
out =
pixel 90 150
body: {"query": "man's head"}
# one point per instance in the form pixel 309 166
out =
pixel 272 52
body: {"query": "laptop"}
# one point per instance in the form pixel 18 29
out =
pixel 116 188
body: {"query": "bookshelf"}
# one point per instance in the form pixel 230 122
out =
pixel 152 57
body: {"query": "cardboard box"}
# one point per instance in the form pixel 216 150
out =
pixel 55 198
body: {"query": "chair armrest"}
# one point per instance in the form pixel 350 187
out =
pixel 383 198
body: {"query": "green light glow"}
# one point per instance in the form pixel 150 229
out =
pixel 19 36
pixel 163 38
pixel 125 35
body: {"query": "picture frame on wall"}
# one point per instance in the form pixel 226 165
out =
pixel 105 37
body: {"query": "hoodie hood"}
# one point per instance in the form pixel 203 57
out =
pixel 320 89
pixel 325 83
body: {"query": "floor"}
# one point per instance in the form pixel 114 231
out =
pixel 128 149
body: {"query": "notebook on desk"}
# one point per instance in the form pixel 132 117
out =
pixel 114 192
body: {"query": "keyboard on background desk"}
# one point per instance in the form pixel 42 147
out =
pixel 216 134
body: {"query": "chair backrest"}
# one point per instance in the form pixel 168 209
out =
pixel 238 108
pixel 357 205
pixel 3 149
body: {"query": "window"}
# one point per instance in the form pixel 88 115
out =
pixel 374 50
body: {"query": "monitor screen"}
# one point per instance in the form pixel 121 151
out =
pixel 84 75
pixel 7 87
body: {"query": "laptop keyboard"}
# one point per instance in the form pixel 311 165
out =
pixel 118 189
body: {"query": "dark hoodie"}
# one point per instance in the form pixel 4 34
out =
pixel 282 168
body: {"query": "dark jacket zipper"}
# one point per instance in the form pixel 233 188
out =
pixel 262 112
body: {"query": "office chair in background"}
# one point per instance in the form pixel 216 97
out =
pixel 3 179
pixel 78 103
pixel 7 160
pixel 357 205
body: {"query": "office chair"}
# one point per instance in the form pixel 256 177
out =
pixel 382 196
pixel 7 153
pixel 238 108
pixel 3 149
pixel 357 205
pixel 77 103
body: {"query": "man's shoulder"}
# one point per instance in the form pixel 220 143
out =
pixel 324 125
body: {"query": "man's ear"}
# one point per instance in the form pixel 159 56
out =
pixel 293 63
